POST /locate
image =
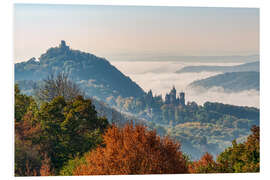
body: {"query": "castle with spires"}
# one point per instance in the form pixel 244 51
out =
pixel 171 98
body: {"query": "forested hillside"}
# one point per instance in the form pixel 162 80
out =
pixel 66 137
pixel 209 127
pixel 252 66
pixel 231 82
pixel 200 128
pixel 95 75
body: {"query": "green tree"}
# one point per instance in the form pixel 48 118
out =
pixel 81 126
pixel 22 103
pixel 28 159
pixel 242 157
pixel 69 128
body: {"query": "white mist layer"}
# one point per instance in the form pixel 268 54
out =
pixel 249 98
pixel 161 76
pixel 139 67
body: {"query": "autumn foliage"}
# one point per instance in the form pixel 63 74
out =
pixel 205 165
pixel 49 135
pixel 133 150
pixel 66 137
pixel 45 169
pixel 239 158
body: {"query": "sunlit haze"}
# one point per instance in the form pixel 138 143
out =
pixel 136 32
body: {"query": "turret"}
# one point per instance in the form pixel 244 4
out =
pixel 173 92
pixel 63 45
pixel 182 99
pixel 167 99
pixel 173 96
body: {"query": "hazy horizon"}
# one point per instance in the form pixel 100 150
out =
pixel 147 43
pixel 136 32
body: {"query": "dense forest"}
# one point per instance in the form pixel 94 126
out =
pixel 58 132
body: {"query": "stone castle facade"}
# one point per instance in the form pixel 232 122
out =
pixel 172 99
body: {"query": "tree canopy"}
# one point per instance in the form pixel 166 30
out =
pixel 56 132
pixel 133 150
pixel 239 158
pixel 242 157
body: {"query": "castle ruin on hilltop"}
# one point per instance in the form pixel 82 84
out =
pixel 63 45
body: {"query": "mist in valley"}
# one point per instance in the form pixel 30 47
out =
pixel 161 76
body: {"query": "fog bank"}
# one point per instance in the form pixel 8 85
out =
pixel 160 77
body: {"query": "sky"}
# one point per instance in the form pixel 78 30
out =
pixel 135 32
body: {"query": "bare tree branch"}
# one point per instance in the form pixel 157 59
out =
pixel 60 85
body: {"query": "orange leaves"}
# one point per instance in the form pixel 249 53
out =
pixel 45 169
pixel 133 150
pixel 205 165
pixel 27 129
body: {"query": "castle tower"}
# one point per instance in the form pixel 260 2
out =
pixel 177 101
pixel 182 99
pixel 173 96
pixel 173 92
pixel 167 99
pixel 63 45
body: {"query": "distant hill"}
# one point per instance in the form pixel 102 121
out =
pixel 95 75
pixel 177 58
pixel 253 66
pixel 231 82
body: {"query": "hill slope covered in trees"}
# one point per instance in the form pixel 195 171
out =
pixel 231 82
pixel 64 136
pixel 95 75
pixel 252 66
pixel 197 127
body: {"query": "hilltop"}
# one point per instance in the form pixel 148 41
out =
pixel 95 75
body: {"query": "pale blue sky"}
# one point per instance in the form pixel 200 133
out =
pixel 130 32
